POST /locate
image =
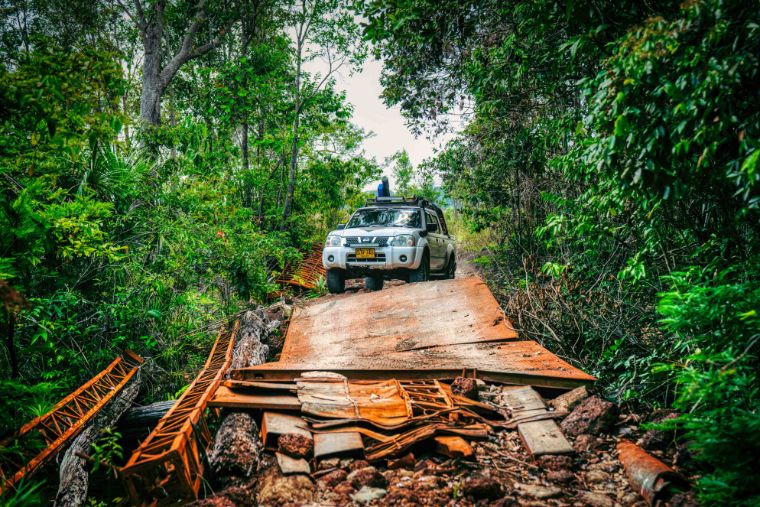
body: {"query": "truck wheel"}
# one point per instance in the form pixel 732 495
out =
pixel 422 273
pixel 451 268
pixel 373 282
pixel 336 281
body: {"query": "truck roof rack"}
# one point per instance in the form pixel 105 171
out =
pixel 409 201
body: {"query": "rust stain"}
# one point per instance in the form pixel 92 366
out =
pixel 647 474
pixel 402 318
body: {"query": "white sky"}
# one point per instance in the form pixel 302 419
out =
pixel 391 134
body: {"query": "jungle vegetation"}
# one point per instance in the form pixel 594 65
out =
pixel 161 160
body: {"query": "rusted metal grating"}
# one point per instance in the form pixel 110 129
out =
pixel 307 273
pixel 65 420
pixel 168 465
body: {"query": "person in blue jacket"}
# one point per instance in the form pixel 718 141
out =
pixel 384 189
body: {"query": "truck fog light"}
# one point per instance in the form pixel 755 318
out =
pixel 402 258
pixel 330 258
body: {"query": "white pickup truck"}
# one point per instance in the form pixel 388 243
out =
pixel 390 237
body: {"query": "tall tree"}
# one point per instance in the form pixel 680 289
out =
pixel 322 29
pixel 151 24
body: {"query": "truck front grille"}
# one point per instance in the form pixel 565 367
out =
pixel 379 257
pixel 373 240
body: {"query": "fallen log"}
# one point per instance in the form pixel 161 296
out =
pixel 235 453
pixel 73 473
pixel 137 422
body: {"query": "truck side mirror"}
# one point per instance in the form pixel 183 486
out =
pixel 423 233
pixel 340 226
pixel 432 227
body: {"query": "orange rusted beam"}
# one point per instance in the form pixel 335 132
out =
pixel 68 417
pixel 168 466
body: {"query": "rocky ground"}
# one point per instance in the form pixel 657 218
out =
pixel 500 473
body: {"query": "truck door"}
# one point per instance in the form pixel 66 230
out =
pixel 436 242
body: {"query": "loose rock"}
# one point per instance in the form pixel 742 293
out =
pixel 275 489
pixel 479 487
pixel 330 480
pixel 407 462
pixel 536 491
pixel 593 499
pixel 560 476
pixel 295 446
pixel 585 443
pixel 367 494
pixel 593 415
pixel 555 462
pixel 467 387
pixel 367 476
pixel 569 400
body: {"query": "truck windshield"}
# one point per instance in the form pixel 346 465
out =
pixel 385 217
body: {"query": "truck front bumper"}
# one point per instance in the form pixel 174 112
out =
pixel 388 258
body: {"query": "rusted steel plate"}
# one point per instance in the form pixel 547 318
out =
pixel 332 444
pixel 226 397
pixel 514 362
pixel 68 417
pixel 168 465
pixel 403 318
pixel 647 474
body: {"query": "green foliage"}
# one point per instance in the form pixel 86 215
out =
pixel 107 450
pixel 612 154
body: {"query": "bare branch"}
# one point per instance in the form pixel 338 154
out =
pixel 186 51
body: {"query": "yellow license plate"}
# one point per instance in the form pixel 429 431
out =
pixel 365 253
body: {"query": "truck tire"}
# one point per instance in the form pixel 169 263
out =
pixel 451 267
pixel 336 281
pixel 373 282
pixel 422 273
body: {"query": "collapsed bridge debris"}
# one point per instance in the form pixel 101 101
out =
pixel 65 420
pixel 169 464
pixel 368 376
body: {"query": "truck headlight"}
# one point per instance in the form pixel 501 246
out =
pixel 333 240
pixel 403 240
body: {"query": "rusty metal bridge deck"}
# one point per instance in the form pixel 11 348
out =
pixel 66 419
pixel 435 330
pixel 168 465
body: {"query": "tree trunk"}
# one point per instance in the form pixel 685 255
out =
pixel 152 88
pixel 291 175
pixel 294 148
pixel 74 478
pixel 235 453
pixel 139 421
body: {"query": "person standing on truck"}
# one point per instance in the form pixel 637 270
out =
pixel 384 189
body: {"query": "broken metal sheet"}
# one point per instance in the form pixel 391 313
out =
pixel 274 424
pixel 332 444
pixel 226 397
pixel 381 402
pixel 290 466
pixel 647 474
pixel 403 318
pixel 403 441
pixel 544 437
pixel 453 446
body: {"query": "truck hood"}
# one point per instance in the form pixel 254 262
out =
pixel 374 231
